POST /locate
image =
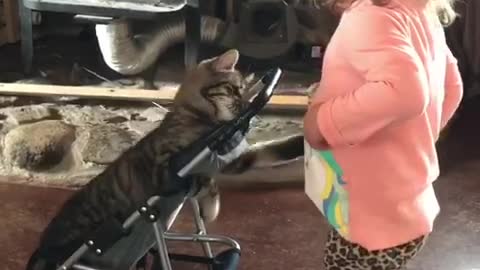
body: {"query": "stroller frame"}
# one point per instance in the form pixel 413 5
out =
pixel 161 237
pixel 103 246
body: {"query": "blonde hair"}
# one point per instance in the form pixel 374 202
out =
pixel 443 9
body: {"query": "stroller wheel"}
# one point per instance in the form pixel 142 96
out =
pixel 227 260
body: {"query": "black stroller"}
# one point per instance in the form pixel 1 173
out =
pixel 116 246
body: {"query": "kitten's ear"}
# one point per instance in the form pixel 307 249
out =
pixel 226 62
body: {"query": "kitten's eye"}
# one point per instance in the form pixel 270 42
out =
pixel 233 90
pixel 223 89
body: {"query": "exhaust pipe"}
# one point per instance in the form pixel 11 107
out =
pixel 129 55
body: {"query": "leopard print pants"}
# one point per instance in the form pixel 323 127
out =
pixel 341 254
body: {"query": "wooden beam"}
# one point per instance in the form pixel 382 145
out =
pixel 164 94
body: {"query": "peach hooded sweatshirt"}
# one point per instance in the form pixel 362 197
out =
pixel 389 85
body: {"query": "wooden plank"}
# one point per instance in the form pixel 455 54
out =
pixel 165 94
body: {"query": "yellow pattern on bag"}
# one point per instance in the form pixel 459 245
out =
pixel 325 187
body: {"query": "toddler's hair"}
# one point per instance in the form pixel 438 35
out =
pixel 442 8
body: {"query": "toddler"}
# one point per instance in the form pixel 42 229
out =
pixel 389 85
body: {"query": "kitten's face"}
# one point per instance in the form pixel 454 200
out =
pixel 214 89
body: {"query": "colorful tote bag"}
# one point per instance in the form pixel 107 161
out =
pixel 325 187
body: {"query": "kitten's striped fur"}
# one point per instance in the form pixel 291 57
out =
pixel 211 93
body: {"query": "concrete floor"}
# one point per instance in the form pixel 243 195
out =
pixel 277 229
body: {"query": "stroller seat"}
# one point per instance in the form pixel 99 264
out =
pixel 113 247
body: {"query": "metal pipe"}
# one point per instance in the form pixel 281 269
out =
pixel 128 55
pixel 201 228
pixel 162 246
pixel 202 238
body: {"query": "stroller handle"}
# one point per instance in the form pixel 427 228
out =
pixel 195 153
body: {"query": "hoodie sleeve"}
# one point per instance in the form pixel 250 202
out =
pixel 453 89
pixel 376 44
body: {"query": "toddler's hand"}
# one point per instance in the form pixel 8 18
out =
pixel 311 131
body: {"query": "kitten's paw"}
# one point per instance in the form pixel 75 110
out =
pixel 209 207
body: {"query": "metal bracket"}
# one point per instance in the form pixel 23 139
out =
pixel 148 213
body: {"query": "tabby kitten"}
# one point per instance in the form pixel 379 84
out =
pixel 212 93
